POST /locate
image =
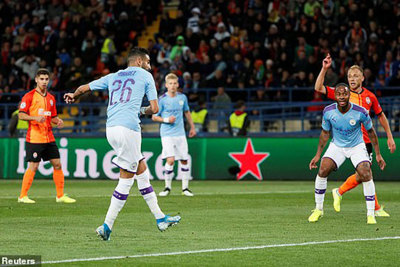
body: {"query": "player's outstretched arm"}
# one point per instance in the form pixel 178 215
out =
pixel 192 131
pixel 374 140
pixel 323 140
pixel 72 97
pixel 385 124
pixel 319 83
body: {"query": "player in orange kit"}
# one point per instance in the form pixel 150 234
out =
pixel 38 107
pixel 362 97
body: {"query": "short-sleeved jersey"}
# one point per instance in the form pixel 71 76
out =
pixel 34 104
pixel 173 106
pixel 365 99
pixel 126 89
pixel 346 128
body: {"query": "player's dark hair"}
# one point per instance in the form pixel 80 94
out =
pixel 137 52
pixel 42 71
pixel 342 85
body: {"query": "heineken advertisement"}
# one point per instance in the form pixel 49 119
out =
pixel 211 158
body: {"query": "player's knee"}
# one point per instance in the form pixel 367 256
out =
pixel 184 162
pixel 57 166
pixel 365 176
pixel 33 167
pixel 170 161
pixel 324 171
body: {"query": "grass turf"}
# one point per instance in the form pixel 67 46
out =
pixel 223 214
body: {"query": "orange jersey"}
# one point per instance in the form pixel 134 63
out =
pixel 34 104
pixel 365 99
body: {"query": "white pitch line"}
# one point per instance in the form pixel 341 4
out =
pixel 222 250
pixel 178 194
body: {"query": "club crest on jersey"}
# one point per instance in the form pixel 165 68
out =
pixel 352 122
pixel 181 102
pixel 368 100
pixel 23 105
pixel 51 102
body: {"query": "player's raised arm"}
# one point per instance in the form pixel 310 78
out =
pixel 323 140
pixel 374 140
pixel 319 83
pixel 71 97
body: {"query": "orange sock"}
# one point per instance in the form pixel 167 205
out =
pixel 377 206
pixel 58 177
pixel 27 182
pixel 350 183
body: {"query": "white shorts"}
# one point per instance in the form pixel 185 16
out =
pixel 175 146
pixel 127 146
pixel 356 154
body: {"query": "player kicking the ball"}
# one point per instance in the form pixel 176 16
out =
pixel 173 136
pixel 344 120
pixel 126 91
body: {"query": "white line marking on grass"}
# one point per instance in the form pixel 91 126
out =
pixel 223 249
pixel 178 194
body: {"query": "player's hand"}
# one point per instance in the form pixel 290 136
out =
pixel 60 123
pixel 327 62
pixel 313 162
pixel 381 161
pixel 391 145
pixel 69 98
pixel 192 132
pixel 172 119
pixel 40 119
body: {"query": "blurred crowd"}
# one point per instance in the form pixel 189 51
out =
pixel 77 40
pixel 209 44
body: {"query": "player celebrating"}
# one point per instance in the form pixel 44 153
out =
pixel 126 91
pixel 38 107
pixel 172 131
pixel 362 97
pixel 344 120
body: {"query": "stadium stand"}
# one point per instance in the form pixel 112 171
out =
pixel 267 53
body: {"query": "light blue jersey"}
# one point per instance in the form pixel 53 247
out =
pixel 346 128
pixel 172 106
pixel 126 89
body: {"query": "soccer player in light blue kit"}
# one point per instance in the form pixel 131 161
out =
pixel 173 137
pixel 344 120
pixel 126 90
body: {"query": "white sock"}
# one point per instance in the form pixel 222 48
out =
pixel 320 188
pixel 185 175
pixel 168 173
pixel 148 194
pixel 369 193
pixel 118 200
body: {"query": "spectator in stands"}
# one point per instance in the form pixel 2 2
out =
pixel 29 64
pixel 193 21
pixel 200 118
pixel 239 120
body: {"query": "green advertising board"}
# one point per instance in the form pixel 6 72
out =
pixel 211 158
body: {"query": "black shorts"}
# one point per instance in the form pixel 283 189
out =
pixel 45 151
pixel 370 151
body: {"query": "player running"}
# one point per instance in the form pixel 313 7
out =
pixel 362 97
pixel 344 120
pixel 38 107
pixel 126 91
pixel 173 136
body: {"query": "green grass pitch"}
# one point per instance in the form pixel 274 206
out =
pixel 222 215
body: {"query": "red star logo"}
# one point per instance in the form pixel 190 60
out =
pixel 249 161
